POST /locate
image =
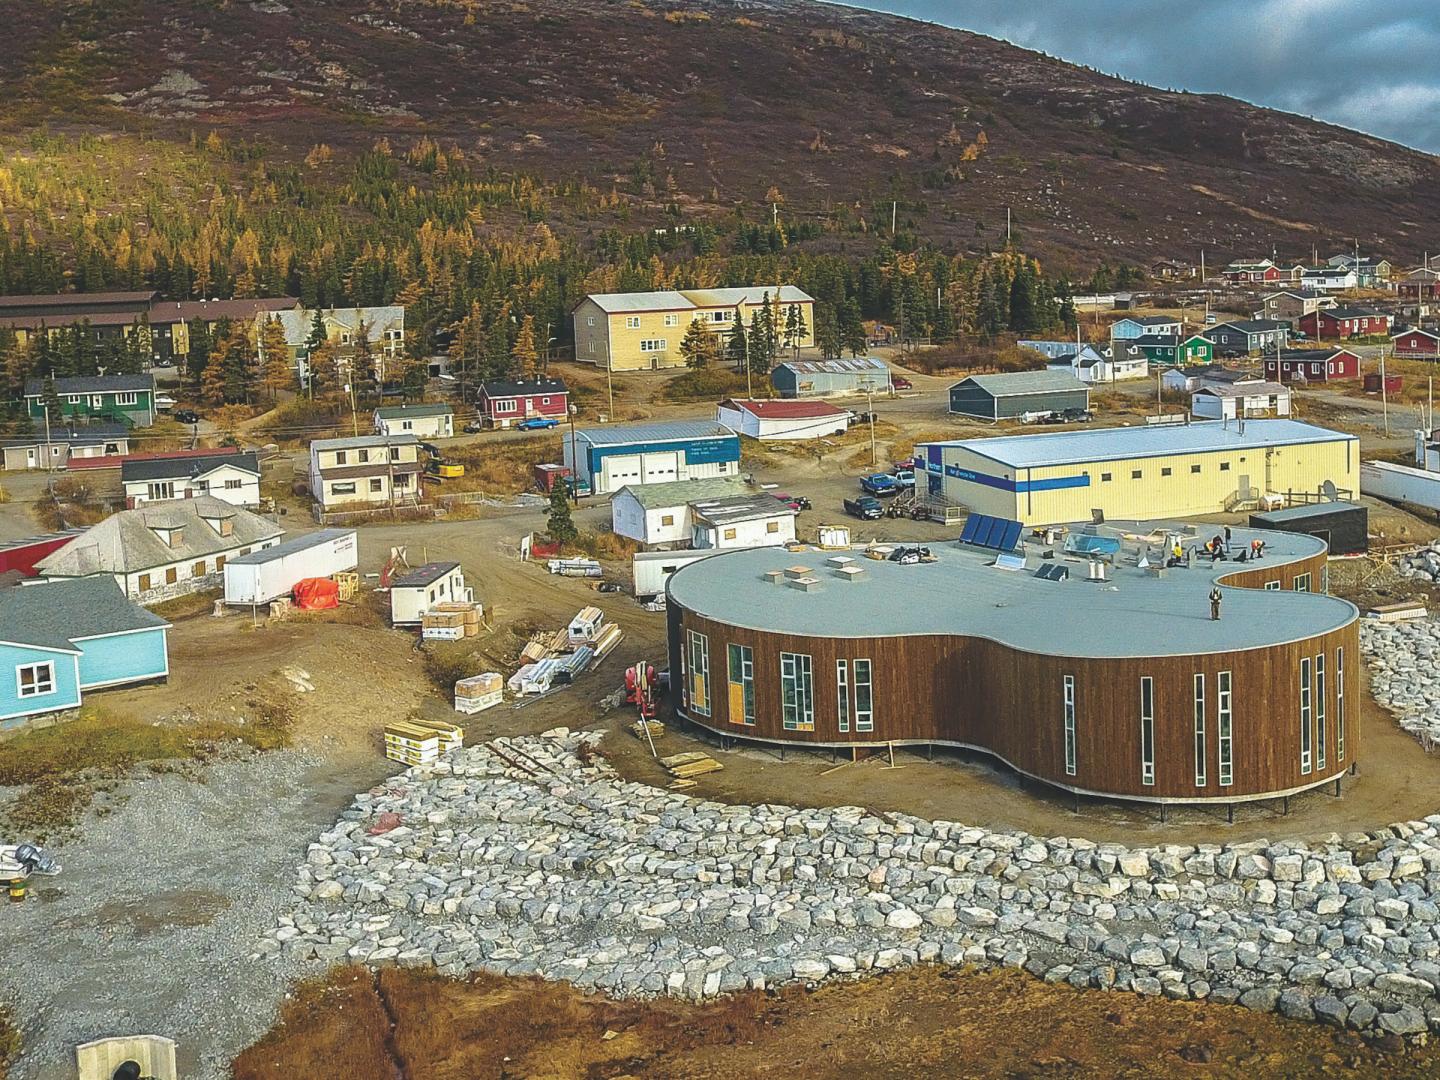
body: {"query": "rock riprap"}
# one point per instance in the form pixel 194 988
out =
pixel 1404 659
pixel 529 856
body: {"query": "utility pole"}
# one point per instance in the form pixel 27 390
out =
pixel 1384 393
pixel 574 461
pixel 354 416
pixel 749 391
pixel 49 456
pixel 610 388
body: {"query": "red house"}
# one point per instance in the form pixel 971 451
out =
pixel 1241 273
pixel 1312 366
pixel 1420 344
pixel 1342 322
pixel 504 403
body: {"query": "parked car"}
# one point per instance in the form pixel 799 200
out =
pixel 1076 416
pixel 899 382
pixel 164 402
pixel 538 423
pixel 879 484
pixel 904 478
pixel 865 508
pixel 909 463
pixel 187 416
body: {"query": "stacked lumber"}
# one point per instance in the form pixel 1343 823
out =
pixel 479 692
pixel 689 765
pixel 609 636
pixel 451 736
pixel 638 729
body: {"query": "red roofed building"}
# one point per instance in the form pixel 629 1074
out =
pixel 1418 344
pixel 783 420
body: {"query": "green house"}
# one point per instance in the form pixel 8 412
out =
pixel 1172 349
pixel 126 399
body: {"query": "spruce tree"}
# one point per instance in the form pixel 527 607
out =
pixel 697 346
pixel 736 343
pixel 558 522
pixel 852 328
pixel 1022 303
pixel 524 358
pixel 276 374
pixel 365 373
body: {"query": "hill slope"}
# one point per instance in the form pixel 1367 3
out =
pixel 710 103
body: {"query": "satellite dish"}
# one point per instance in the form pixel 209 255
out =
pixel 1328 490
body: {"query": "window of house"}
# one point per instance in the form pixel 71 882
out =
pixel 842 695
pixel 160 489
pixel 171 575
pixel 1069 718
pixel 864 696
pixel 1136 474
pixel 1306 716
pixel 1340 703
pixel 632 322
pixel 377 484
pixel 345 337
pixel 97 401
pixel 504 405
pixel 1302 583
pixel 406 425
pixel 1200 778
pixel 699 673
pixel 394 453
pixel 33 680
pixel 364 457
pixel 345 488
pixel 652 345
pixel 1147 730
pixel 129 398
pixel 143 583
pixel 1194 469
pixel 1273 586
pixel 667 519
pixel 672 320
pixel 234 485
pixel 729 534
pixel 1104 477
pixel 72 399
pixel 1320 734
pixel 244 551
pixel 1224 466
pixel 1166 472
pixel 772 526
pixel 341 457
pixel 797 692
pixel 198 570
pixel 589 320
pixel 741 675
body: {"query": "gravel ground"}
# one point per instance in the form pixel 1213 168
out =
pixel 175 883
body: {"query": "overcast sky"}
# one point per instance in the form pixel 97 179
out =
pixel 1365 64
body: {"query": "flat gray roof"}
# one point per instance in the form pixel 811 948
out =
pixel 1013 383
pixel 1117 444
pixel 1132 614
pixel 659 431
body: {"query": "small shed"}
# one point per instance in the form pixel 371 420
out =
pixel 1012 394
pixel 425 421
pixel 1345 526
pixel 659 515
pixel 787 420
pixel 414 593
pixel 1241 401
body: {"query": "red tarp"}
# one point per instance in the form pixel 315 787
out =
pixel 315 593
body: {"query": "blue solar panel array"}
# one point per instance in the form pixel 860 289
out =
pixel 998 534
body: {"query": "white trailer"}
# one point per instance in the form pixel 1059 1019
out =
pixel 652 569
pixel 1400 483
pixel 265 575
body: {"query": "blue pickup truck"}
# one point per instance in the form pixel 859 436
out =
pixel 879 484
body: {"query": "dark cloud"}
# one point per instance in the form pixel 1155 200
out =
pixel 1364 64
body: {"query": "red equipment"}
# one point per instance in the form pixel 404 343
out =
pixel 640 689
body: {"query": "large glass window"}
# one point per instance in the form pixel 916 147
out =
pixel 1200 777
pixel 1305 717
pixel 864 697
pixel 1224 724
pixel 842 694
pixel 699 674
pixel 1147 730
pixel 741 684
pixel 797 692
pixel 1320 711
pixel 32 680
pixel 1302 583
pixel 1069 725
pixel 1340 704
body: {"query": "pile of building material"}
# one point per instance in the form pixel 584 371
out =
pixel 562 656
pixel 479 692
pixel 586 568
pixel 685 767
pixel 421 742
pixel 656 729
pixel 451 621
pixel 536 678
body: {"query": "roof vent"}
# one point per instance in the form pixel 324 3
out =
pixel 804 584
pixel 774 577
pixel 839 561
pixel 796 572
pixel 851 573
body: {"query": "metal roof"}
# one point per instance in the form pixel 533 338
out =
pixel 53 614
pixel 737 508
pixel 855 365
pixel 658 431
pixel 303 542
pixel 92 384
pixel 62 299
pixel 399 412
pixel 179 468
pixel 666 300
pixel 681 492
pixel 1245 389
pixel 783 409
pixel 1118 444
pixel 1134 614
pixel 424 575
pixel 515 387
pixel 1150 320
pixel 693 299
pixel 1249 326
pixel 1016 383
pixel 358 441
pixel 1305 511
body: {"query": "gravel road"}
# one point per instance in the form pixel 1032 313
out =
pixel 176 883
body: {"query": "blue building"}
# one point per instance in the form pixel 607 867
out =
pixel 615 455
pixel 63 637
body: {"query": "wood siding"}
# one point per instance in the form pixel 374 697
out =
pixel 966 691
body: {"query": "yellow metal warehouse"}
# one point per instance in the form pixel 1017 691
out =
pixel 1137 473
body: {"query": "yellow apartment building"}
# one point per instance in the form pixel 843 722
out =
pixel 643 331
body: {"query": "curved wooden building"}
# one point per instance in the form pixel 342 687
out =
pixel 1123 688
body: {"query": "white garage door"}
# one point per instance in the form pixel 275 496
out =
pixel 620 470
pixel 660 468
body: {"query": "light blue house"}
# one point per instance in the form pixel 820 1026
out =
pixel 63 637
pixel 1133 326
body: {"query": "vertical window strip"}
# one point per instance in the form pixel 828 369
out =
pixel 1070 725
pixel 1320 734
pixel 740 665
pixel 699 673
pixel 1340 703
pixel 807 693
pixel 1224 728
pixel 1305 717
pixel 1147 731
pixel 864 696
pixel 842 694
pixel 1200 776
pixel 789 702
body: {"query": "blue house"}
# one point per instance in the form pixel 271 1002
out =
pixel 1133 326
pixel 65 636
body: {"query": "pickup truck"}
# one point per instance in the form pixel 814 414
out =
pixel 879 484
pixel 904 478
pixel 864 507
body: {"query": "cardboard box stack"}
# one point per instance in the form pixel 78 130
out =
pixel 479 692
pixel 421 742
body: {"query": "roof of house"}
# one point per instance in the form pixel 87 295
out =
pixel 682 492
pixel 62 299
pixel 173 311
pixel 147 469
pixel 298 321
pixel 54 320
pixel 1312 354
pixel 72 435
pixel 1168 341
pixel 422 576
pixel 1417 330
pixel 1352 313
pixel 736 508
pixel 1298 294
pixel 750 294
pixel 1118 444
pixel 1251 326
pixel 399 412
pixel 126 541
pixel 1245 389
pixel 855 365
pixel 690 299
pixel 92 384
pixel 53 614
pixel 657 431
pixel 1150 320
pixel 515 387
pixel 303 542
pixel 356 442
pixel 1017 383
pixel 783 409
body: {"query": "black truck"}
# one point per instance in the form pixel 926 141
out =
pixel 866 507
